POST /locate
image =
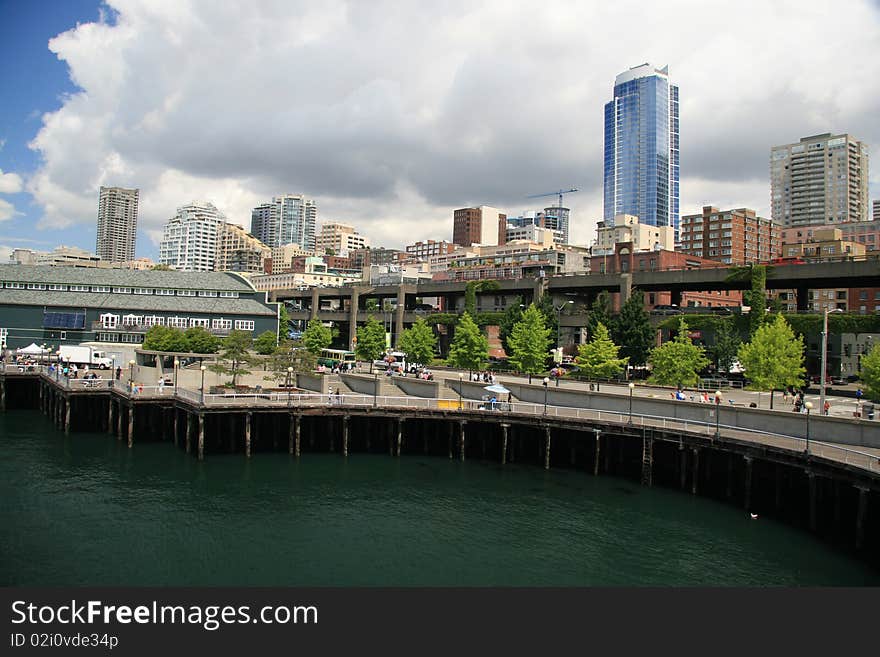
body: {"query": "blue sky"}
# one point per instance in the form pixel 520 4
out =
pixel 32 82
pixel 391 114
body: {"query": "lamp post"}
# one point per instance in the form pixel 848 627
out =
pixel 176 365
pixel 809 407
pixel 718 396
pixel 632 387
pixel 202 388
pixel 130 374
pixel 460 376
pixel 546 382
pixel 58 365
pixel 824 353
pixel 287 384
pixel 376 389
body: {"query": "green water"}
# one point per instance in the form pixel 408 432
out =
pixel 85 510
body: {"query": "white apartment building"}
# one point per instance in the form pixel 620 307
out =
pixel 238 250
pixel 117 224
pixel 627 228
pixel 340 239
pixel 283 255
pixel 822 179
pixel 189 241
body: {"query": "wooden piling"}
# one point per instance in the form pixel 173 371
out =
pixel 131 425
pixel 504 428
pixel 67 408
pixel 546 448
pixel 696 474
pixel 188 432
pixel 247 434
pixel 201 436
pixel 399 434
pixel 297 433
pixel 462 438
pixel 345 419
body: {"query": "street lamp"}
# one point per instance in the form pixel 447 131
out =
pixel 287 384
pixel 460 376
pixel 130 374
pixel 632 387
pixel 203 368
pixel 376 390
pixel 546 382
pixel 809 407
pixel 176 365
pixel 824 353
pixel 58 365
pixel 718 396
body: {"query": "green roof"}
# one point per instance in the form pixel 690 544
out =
pixel 178 280
pixel 136 302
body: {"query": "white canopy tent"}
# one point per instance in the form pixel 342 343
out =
pixel 32 350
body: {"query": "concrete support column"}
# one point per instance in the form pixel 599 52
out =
pixel 696 471
pixel 504 428
pixel 546 448
pixel 297 433
pixel 345 419
pixel 201 436
pixel 811 479
pixel 461 438
pixel 398 313
pixel 538 290
pixel 861 515
pixel 626 281
pixel 316 303
pixel 131 425
pixel 247 434
pixel 188 433
pixel 747 485
pixel 399 434
pixel 353 316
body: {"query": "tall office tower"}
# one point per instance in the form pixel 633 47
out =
pixel 556 219
pixel 822 179
pixel 340 238
pixel 117 224
pixel 480 225
pixel 641 148
pixel 189 241
pixel 288 219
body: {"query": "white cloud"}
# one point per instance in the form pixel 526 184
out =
pixel 7 210
pixel 10 183
pixel 391 114
pixel 5 252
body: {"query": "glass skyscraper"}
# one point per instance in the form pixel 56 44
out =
pixel 641 148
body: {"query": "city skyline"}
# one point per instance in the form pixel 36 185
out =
pixel 395 135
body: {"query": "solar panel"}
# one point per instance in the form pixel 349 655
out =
pixel 64 320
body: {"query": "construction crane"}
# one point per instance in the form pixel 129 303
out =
pixel 559 194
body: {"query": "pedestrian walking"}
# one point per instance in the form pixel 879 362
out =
pixel 826 408
pixel 161 384
pixel 118 373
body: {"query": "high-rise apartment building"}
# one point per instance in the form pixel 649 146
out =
pixel 641 148
pixel 238 250
pixel 117 224
pixel 189 241
pixel 480 225
pixel 288 219
pixel 556 219
pixel 339 238
pixel 821 179
pixel 430 248
pixel 735 237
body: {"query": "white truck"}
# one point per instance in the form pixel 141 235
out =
pixel 84 356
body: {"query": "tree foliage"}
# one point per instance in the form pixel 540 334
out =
pixel 316 336
pixel 265 343
pixel 471 290
pixel 774 359
pixel 234 355
pixel 200 341
pixel 283 322
pixel 727 344
pixel 598 358
pixel 370 341
pixel 756 298
pixel 419 342
pixel 470 348
pixel 530 342
pixel 633 331
pixel 164 338
pixel 508 320
pixel 870 373
pixel 600 313
pixel 678 361
pixel 289 354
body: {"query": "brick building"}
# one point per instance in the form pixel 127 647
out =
pixel 735 237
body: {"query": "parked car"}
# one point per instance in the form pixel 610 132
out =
pixel 666 310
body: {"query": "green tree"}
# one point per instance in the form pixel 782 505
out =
pixel 316 336
pixel 470 348
pixel 633 331
pixel 471 290
pixel 289 354
pixel 870 373
pixel 756 298
pixel 727 344
pixel 678 361
pixel 370 341
pixel 235 353
pixel 774 358
pixel 283 322
pixel 160 267
pixel 530 342
pixel 265 343
pixel 600 313
pixel 419 342
pixel 598 358
pixel 371 305
pixel 200 341
pixel 164 338
pixel 509 319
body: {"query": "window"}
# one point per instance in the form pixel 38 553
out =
pixel 132 320
pixel 222 324
pixel 229 295
pixel 36 286
pixel 100 288
pixel 165 293
pixel 79 288
pixel 109 321
pixel 863 295
pixel 178 322
pixel 57 287
pixel 207 293
pixel 15 286
pixel 195 321
pixel 153 320
pixel 122 290
pixel 143 290
pixel 248 325
pixel 186 293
